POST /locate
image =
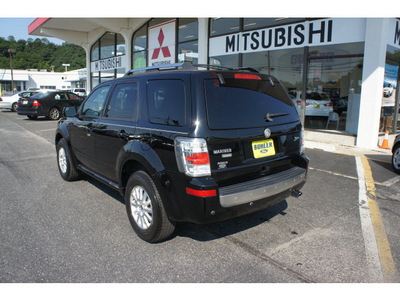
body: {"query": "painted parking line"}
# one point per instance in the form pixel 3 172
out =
pixel 380 262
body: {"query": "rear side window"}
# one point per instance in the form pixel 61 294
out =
pixel 166 102
pixel 123 102
pixel 245 104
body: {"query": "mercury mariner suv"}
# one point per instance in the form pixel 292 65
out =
pixel 186 143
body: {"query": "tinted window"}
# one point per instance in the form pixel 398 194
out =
pixel 166 102
pixel 245 103
pixel 72 96
pixel 95 103
pixel 60 96
pixel 123 102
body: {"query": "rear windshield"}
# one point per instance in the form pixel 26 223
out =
pixel 41 95
pixel 246 103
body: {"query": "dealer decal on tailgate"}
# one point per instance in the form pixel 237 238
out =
pixel 263 148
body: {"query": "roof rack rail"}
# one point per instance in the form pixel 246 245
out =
pixel 188 66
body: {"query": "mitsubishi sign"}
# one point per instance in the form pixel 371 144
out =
pixel 162 39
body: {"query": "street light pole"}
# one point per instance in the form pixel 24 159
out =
pixel 11 51
pixel 66 66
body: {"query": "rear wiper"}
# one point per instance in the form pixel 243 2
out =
pixel 269 117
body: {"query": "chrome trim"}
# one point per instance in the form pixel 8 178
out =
pixel 264 187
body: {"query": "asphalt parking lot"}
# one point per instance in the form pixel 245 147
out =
pixel 341 230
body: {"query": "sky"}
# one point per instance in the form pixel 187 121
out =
pixel 18 27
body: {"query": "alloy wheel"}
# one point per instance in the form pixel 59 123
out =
pixel 141 207
pixel 62 160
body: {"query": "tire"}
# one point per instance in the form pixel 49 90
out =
pixel 31 117
pixel 396 158
pixel 54 114
pixel 14 107
pixel 145 209
pixel 66 167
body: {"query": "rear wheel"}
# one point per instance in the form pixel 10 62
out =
pixel 396 158
pixel 66 167
pixel 145 209
pixel 54 113
pixel 14 107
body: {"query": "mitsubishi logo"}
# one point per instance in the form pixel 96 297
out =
pixel 164 50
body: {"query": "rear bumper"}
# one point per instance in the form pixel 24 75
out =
pixel 261 188
pixel 229 201
pixel 25 111
pixel 5 105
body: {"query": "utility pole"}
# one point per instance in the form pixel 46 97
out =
pixel 11 51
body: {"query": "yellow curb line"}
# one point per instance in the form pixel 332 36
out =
pixel 385 254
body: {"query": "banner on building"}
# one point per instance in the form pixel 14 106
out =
pixel 309 33
pixel 108 64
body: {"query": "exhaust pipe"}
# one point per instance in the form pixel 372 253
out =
pixel 296 193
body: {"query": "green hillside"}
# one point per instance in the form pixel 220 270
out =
pixel 41 54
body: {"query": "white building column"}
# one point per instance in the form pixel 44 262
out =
pixel 372 82
pixel 203 41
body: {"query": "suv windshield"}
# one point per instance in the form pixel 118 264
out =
pixel 245 104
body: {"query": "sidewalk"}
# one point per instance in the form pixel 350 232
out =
pixel 345 144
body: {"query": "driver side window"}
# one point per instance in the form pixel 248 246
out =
pixel 95 103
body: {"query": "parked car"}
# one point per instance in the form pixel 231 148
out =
pixel 10 102
pixel 396 154
pixel 183 144
pixel 317 104
pixel 47 104
pixel 387 90
pixel 80 92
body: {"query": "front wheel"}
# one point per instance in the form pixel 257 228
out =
pixel 396 158
pixel 145 209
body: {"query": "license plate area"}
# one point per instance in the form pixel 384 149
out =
pixel 25 102
pixel 263 148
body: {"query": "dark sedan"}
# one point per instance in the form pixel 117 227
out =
pixel 48 104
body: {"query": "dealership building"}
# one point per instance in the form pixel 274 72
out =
pixel 352 61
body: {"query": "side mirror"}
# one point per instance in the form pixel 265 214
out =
pixel 69 111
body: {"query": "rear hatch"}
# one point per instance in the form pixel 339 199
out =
pixel 254 127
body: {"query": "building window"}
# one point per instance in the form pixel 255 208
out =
pixel 221 26
pixel 107 57
pixel 188 35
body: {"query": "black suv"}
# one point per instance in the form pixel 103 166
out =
pixel 186 144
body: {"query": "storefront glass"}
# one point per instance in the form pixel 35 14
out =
pixel 107 58
pixel 335 73
pixel 390 113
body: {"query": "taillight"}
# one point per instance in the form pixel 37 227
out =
pixel 192 156
pixel 1 99
pixel 35 103
pixel 247 76
pixel 328 104
pixel 299 103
